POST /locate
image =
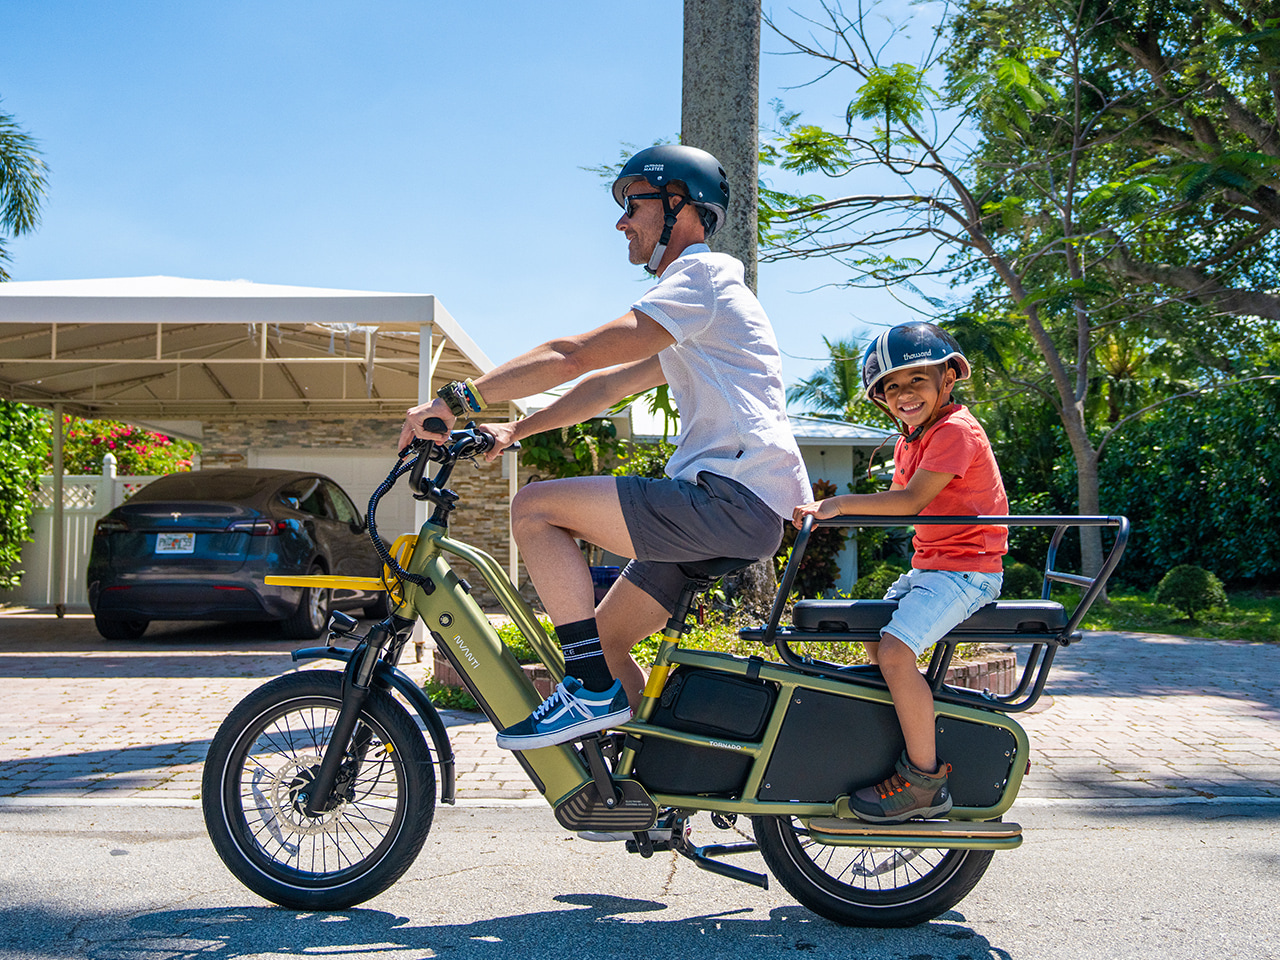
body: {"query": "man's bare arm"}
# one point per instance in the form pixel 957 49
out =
pixel 631 338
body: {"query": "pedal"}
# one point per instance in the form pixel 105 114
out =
pixel 600 773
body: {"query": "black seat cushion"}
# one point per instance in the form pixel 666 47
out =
pixel 866 616
pixel 714 568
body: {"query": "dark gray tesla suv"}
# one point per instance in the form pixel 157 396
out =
pixel 196 546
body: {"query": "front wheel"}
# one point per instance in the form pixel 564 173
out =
pixel 867 886
pixel 260 764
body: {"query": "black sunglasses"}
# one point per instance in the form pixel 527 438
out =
pixel 629 206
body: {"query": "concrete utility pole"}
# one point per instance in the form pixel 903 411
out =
pixel 720 112
pixel 720 109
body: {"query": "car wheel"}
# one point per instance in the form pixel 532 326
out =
pixel 312 615
pixel 121 629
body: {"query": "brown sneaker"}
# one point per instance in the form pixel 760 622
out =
pixel 907 794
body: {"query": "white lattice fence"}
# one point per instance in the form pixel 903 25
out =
pixel 85 500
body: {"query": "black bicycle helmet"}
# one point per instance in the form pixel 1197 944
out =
pixel 907 345
pixel 702 175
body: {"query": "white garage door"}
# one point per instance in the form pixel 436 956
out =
pixel 358 472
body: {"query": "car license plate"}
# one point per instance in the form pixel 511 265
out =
pixel 175 543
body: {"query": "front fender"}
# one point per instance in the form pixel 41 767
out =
pixel 388 678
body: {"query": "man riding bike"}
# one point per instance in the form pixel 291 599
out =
pixel 734 479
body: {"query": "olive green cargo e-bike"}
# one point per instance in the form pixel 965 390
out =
pixel 319 787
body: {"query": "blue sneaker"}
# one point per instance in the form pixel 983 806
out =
pixel 569 713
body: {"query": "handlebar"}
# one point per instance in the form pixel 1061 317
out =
pixel 463 444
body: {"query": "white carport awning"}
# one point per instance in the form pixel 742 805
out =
pixel 168 348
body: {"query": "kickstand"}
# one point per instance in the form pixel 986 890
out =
pixel 600 771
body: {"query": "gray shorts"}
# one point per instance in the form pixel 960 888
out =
pixel 674 521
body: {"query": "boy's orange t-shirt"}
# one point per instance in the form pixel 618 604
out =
pixel 958 445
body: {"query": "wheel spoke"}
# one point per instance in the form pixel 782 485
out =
pixel 867 886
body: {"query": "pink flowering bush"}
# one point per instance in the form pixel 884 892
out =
pixel 138 452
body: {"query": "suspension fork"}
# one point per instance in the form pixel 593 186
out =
pixel 357 679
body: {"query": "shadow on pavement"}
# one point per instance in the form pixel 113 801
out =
pixel 595 925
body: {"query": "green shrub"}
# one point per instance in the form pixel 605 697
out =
pixel 873 585
pixel 515 640
pixel 1021 582
pixel 23 439
pixel 819 567
pixel 449 698
pixel 1191 589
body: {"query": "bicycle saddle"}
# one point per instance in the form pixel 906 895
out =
pixel 712 569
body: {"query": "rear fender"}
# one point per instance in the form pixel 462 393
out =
pixel 389 678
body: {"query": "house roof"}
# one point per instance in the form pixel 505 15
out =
pixel 175 348
pixel 809 431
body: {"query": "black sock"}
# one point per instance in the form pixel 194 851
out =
pixel 583 655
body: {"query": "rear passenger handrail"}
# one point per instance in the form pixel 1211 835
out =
pixel 1044 646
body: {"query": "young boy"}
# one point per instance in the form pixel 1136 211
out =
pixel 943 465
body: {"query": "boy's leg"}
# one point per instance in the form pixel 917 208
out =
pixel 912 701
pixel 918 786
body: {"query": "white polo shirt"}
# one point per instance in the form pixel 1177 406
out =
pixel 725 375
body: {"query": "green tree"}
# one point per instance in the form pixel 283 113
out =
pixel 22 428
pixel 22 184
pixel 582 450
pixel 1009 173
pixel 834 390
pixel 1200 481
pixel 23 431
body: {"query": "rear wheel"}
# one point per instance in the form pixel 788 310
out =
pixel 867 886
pixel 260 764
pixel 121 629
pixel 312 615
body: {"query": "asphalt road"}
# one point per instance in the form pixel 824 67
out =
pixel 1094 879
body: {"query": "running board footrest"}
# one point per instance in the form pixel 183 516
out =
pixel 951 834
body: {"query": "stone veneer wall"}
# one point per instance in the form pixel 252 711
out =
pixel 482 518
pixel 226 443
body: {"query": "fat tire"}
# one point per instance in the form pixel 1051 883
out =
pixel 821 876
pixel 264 751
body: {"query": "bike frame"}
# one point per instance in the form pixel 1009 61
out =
pixel 565 774
pixel 464 635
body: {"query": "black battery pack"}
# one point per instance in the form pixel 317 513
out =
pixel 710 704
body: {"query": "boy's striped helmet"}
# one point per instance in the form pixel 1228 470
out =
pixel 916 344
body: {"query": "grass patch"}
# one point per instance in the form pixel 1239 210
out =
pixel 1247 616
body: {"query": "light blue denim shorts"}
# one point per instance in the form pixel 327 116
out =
pixel 931 603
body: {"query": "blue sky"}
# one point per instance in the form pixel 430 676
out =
pixel 422 147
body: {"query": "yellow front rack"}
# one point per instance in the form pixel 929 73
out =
pixel 401 550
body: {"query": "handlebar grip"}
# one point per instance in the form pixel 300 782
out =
pixel 417 443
